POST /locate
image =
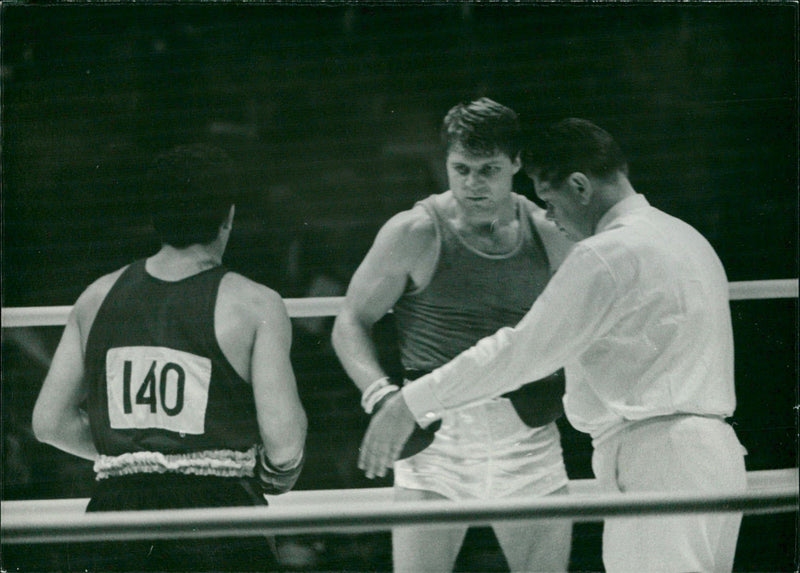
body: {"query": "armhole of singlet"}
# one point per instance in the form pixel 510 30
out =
pixel 430 209
pixel 108 299
pixel 555 252
pixel 212 303
pixel 536 239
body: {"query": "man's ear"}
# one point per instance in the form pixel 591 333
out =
pixel 582 186
pixel 516 163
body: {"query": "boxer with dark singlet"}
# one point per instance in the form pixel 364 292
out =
pixel 173 375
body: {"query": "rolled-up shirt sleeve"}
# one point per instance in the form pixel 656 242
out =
pixel 565 319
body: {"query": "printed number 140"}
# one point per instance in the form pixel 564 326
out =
pixel 151 394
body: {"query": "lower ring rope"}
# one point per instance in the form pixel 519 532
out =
pixel 768 492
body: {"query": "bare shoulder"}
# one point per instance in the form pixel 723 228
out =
pixel 92 297
pixel 245 298
pixel 244 308
pixel 556 243
pixel 407 234
pixel 414 221
pixel 531 208
pixel 99 288
pixel 538 216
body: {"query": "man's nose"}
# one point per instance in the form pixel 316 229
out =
pixel 472 179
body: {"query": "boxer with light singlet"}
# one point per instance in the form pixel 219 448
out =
pixel 454 268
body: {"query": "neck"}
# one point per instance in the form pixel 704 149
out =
pixel 491 235
pixel 504 216
pixel 171 263
pixel 610 195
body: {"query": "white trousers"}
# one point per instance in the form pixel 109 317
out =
pixel 680 454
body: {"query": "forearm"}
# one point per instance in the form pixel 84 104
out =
pixel 58 418
pixel 70 433
pixel 285 440
pixel 496 365
pixel 356 350
pixel 281 459
pixel 277 478
pixel 558 328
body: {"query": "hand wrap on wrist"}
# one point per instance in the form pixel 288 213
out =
pixel 376 393
pixel 275 480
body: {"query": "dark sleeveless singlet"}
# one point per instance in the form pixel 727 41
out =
pixel 158 380
pixel 160 387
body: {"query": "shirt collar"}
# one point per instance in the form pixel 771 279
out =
pixel 627 205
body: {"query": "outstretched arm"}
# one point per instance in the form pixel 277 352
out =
pixel 559 327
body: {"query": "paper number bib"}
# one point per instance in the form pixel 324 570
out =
pixel 157 387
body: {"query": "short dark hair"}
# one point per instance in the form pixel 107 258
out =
pixel 190 189
pixel 483 127
pixel 572 145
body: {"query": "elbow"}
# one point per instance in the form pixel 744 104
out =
pixel 283 442
pixel 302 429
pixel 45 425
pixel 346 327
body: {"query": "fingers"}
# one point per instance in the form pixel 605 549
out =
pixel 378 452
pixel 386 435
pixel 366 455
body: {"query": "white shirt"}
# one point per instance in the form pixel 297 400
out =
pixel 637 315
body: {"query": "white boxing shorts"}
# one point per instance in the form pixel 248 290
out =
pixel 486 451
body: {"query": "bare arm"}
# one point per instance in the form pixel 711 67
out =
pixel 281 418
pixel 58 419
pixel 397 256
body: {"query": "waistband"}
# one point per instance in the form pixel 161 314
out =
pixel 219 463
pixel 630 425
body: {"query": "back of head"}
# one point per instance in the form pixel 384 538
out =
pixel 572 145
pixel 190 189
pixel 483 127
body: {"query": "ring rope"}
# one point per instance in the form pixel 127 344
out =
pixel 360 517
pixel 330 306
pixel 372 509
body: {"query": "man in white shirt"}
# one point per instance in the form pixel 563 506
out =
pixel 638 317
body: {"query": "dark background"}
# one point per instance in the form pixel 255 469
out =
pixel 332 113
